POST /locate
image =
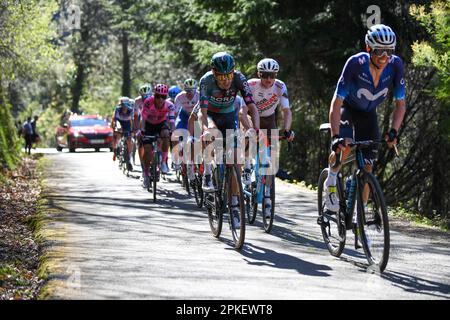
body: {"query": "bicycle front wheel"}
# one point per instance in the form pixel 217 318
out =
pixel 332 224
pixel 215 213
pixel 268 220
pixel 233 177
pixel 373 222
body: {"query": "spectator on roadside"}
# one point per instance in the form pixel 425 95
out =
pixel 35 136
pixel 28 135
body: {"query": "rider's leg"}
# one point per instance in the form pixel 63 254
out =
pixel 165 137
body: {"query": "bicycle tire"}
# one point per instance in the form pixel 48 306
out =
pixel 238 235
pixel 154 174
pixel 215 215
pixel 366 225
pixel 268 223
pixel 197 189
pixel 334 247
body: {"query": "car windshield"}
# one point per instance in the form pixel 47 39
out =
pixel 88 122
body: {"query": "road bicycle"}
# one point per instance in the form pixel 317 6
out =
pixel 220 203
pixel 371 223
pixel 256 193
pixel 155 166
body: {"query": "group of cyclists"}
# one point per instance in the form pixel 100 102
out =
pixel 213 105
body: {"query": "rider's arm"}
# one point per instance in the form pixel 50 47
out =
pixel 254 114
pixel 335 115
pixel 287 116
pixel 204 119
pixel 113 121
pixel 243 117
pixel 398 114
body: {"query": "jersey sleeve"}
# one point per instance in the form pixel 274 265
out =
pixel 203 92
pixel 343 85
pixel 171 113
pixel 244 88
pixel 399 80
pixel 284 97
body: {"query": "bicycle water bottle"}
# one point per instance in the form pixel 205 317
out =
pixel 351 186
pixel 348 183
pixel 259 190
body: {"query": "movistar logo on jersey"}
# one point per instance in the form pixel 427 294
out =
pixel 369 96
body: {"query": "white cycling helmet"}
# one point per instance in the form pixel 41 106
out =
pixel 124 100
pixel 380 36
pixel 268 65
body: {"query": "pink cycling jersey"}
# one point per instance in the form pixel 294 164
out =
pixel 154 115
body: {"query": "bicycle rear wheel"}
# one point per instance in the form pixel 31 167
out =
pixel 332 224
pixel 233 177
pixel 215 214
pixel 250 202
pixel 268 222
pixel 373 222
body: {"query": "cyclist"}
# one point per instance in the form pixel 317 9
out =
pixel 363 85
pixel 185 102
pixel 125 115
pixel 268 93
pixel 157 115
pixel 218 90
pixel 173 92
pixel 145 91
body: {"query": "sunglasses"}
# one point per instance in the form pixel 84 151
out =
pixel 223 76
pixel 381 52
pixel 160 96
pixel 266 75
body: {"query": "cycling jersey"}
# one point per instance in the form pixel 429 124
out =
pixel 218 100
pixel 154 115
pixel 184 107
pixel 138 105
pixel 267 100
pixel 356 87
pixel 124 118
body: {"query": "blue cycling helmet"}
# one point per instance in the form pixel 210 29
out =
pixel 222 62
pixel 174 91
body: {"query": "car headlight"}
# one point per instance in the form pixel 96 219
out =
pixel 110 134
pixel 78 135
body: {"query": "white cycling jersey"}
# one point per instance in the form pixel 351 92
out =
pixel 138 105
pixel 267 100
pixel 182 102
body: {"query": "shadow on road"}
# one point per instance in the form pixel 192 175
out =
pixel 259 256
pixel 414 284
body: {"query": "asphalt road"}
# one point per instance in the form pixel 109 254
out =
pixel 109 241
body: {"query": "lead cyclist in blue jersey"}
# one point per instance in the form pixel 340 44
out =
pixel 364 84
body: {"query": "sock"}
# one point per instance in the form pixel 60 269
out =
pixel 208 169
pixel 267 192
pixel 247 164
pixel 234 201
pixel 331 179
pixel 146 172
pixel 191 168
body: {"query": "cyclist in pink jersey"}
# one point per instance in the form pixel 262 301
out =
pixel 157 119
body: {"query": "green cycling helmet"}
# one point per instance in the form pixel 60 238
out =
pixel 190 84
pixel 222 62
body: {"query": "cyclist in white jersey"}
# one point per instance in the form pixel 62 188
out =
pixel 185 101
pixel 268 93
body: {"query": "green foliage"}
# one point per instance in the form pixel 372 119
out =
pixel 436 52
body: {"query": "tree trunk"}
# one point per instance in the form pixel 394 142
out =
pixel 126 77
pixel 77 88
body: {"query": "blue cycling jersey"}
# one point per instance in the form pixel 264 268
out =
pixel 356 86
